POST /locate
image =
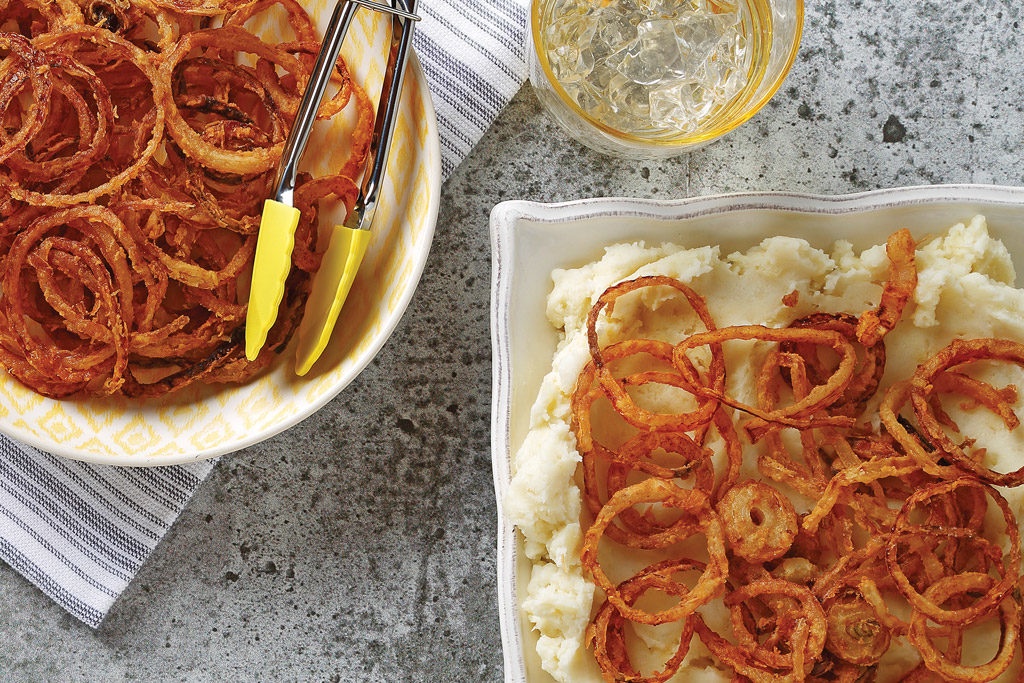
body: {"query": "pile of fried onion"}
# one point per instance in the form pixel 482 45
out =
pixel 856 530
pixel 138 141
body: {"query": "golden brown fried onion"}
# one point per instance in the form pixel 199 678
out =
pixel 905 535
pixel 138 141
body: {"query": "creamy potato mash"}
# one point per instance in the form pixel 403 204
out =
pixel 965 289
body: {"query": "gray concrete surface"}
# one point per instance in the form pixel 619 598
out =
pixel 359 545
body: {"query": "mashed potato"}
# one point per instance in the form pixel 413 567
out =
pixel 965 289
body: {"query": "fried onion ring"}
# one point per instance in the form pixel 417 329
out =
pixel 898 289
pixel 923 386
pixel 699 517
pixel 950 669
pixel 760 523
pixel 951 528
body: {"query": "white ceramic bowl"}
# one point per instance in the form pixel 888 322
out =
pixel 529 240
pixel 209 421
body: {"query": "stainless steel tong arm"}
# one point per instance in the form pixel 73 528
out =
pixel 403 12
pixel 387 112
pixel 295 145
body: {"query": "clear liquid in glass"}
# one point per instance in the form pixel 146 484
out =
pixel 648 67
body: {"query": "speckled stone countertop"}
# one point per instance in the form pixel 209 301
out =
pixel 359 545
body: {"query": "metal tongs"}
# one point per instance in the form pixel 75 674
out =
pixel 280 218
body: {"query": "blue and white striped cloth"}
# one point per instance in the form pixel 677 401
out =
pixel 472 55
pixel 81 532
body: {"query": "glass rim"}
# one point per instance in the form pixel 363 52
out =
pixel 684 139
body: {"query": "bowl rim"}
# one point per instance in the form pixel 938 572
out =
pixel 508 212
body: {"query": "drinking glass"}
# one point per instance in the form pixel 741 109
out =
pixel 656 78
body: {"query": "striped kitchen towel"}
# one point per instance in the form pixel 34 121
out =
pixel 81 532
pixel 472 55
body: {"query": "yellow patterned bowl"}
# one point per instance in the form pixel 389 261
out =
pixel 205 422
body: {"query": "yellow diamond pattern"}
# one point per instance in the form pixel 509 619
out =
pixel 137 436
pixel 59 424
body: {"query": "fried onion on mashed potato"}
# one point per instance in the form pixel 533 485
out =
pixel 964 290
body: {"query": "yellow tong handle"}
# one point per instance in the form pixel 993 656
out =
pixel 270 266
pixel 339 265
